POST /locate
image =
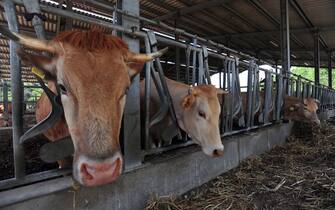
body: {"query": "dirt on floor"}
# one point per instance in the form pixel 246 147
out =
pixel 297 175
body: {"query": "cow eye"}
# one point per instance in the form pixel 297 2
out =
pixel 202 114
pixel 63 89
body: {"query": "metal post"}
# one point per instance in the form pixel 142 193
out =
pixel 68 21
pixel 177 63
pixel 317 58
pixel 5 101
pixel 194 63
pixel 330 72
pixel 33 6
pixel 285 36
pixel 17 92
pixel 131 117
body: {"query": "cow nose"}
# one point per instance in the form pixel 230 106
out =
pixel 218 152
pixel 316 122
pixel 95 173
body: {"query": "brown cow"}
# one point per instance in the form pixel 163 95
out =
pixel 8 122
pixel 93 71
pixel 197 113
pixel 294 108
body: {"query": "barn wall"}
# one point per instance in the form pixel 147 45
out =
pixel 175 172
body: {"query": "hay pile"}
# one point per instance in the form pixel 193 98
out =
pixel 297 175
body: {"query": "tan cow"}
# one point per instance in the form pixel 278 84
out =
pixel 93 71
pixel 197 111
pixel 294 108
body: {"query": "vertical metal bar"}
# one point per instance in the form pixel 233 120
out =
pixel 5 101
pixel 200 69
pixel 17 92
pixel 330 71
pixel 147 96
pixel 194 63
pixel 249 93
pixel 33 6
pixel 279 96
pixel 229 101
pixel 132 122
pixel 267 97
pixel 232 78
pixel 177 63
pixel 188 57
pixel 285 36
pixel 206 66
pixel 68 21
pixel 317 58
pixel 298 92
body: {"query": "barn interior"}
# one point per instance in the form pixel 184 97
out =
pixel 255 36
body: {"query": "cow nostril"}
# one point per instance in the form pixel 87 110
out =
pixel 217 153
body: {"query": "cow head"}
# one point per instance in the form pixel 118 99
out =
pixel 301 111
pixel 93 71
pixel 200 118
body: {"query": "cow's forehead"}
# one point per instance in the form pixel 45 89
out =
pixel 102 70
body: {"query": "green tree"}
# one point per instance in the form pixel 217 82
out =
pixel 308 72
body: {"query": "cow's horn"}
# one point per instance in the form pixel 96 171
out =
pixel 133 57
pixel 28 41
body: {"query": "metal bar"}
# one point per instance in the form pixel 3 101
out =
pixel 32 6
pixel 73 15
pixel 279 96
pixel 194 62
pixel 188 57
pixel 206 66
pixel 177 63
pixel 317 58
pixel 285 36
pixel 131 116
pixel 330 70
pixel 5 102
pixel 31 178
pixel 147 96
pixel 249 94
pixel 200 69
pixel 17 92
pixel 35 190
pixel 270 32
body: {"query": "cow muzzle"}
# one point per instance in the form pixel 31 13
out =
pixel 213 151
pixel 90 172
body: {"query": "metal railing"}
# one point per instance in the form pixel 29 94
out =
pixel 234 119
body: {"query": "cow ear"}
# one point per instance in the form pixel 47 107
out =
pixel 45 64
pixel 220 94
pixel 188 101
pixel 135 68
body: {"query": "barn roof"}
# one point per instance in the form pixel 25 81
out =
pixel 250 26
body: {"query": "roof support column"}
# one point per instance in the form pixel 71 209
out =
pixel 317 58
pixel 17 92
pixel 285 36
pixel 131 117
pixel 330 71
